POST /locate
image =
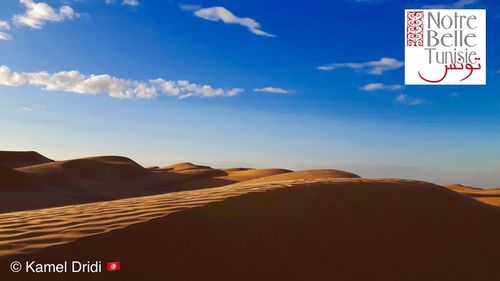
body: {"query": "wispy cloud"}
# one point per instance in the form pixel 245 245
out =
pixel 372 67
pixel 404 99
pixel 272 90
pixel 454 94
pixel 131 2
pixel 33 107
pixel 454 5
pixel 4 25
pixel 75 82
pixel 37 13
pixel 226 16
pixel 380 86
pixel 5 36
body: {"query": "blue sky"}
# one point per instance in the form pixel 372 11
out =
pixel 242 83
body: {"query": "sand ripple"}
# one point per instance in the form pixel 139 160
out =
pixel 27 231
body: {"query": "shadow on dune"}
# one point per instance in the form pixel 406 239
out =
pixel 350 229
pixel 16 159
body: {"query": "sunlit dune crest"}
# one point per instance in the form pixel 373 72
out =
pixel 486 195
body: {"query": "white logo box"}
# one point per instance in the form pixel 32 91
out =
pixel 445 47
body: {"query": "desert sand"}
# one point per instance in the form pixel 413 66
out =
pixel 245 224
pixel 486 195
pixel 29 180
pixel 16 159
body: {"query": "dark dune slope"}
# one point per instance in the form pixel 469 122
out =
pixel 16 159
pixel 343 229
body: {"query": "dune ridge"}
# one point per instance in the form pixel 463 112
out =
pixel 306 174
pixel 16 159
pixel 486 195
pixel 100 167
pixel 25 231
pixel 322 229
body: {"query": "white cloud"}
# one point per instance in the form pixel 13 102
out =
pixel 26 108
pixel 372 67
pixel 272 90
pixel 130 2
pixel 404 99
pixel 75 82
pixel 38 13
pixel 454 94
pixel 226 16
pixel 455 5
pixel 4 25
pixel 5 36
pixel 380 86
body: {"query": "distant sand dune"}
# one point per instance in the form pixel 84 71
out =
pixel 316 229
pixel 47 183
pixel 486 195
pixel 202 172
pixel 207 178
pixel 251 174
pixel 185 166
pixel 105 167
pixel 16 159
pixel 307 174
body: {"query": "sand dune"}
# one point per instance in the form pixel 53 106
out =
pixel 242 223
pixel 249 174
pixel 209 178
pixel 237 169
pixel 69 182
pixel 47 183
pixel 104 167
pixel 16 159
pixel 185 166
pixel 25 231
pixel 13 179
pixel 307 174
pixel 25 177
pixel 486 195
pixel 202 172
pixel 322 229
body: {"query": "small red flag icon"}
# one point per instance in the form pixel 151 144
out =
pixel 113 266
